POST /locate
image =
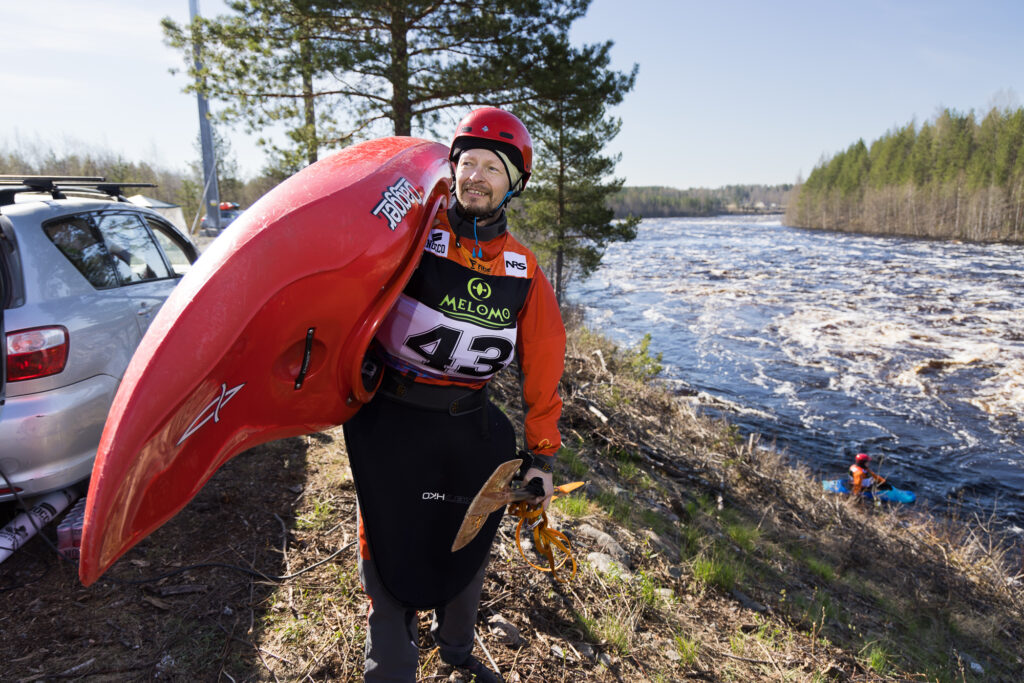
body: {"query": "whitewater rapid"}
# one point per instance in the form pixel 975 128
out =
pixel 912 350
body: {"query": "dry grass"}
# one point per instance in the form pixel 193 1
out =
pixel 734 576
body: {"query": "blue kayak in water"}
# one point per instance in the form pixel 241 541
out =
pixel 885 492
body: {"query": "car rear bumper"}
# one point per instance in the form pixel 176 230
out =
pixel 48 440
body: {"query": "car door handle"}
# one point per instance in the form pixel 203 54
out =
pixel 144 309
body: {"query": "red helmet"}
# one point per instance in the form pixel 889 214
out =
pixel 497 130
pixel 862 458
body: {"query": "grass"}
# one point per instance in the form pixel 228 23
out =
pixel 651 519
pixel 689 543
pixel 607 628
pixel 628 471
pixel 707 504
pixel 321 516
pixel 744 535
pixel 648 591
pixel 578 469
pixel 821 609
pixel 587 626
pixel 688 649
pixel 615 507
pixel 738 643
pixel 771 635
pixel 820 568
pixel 877 657
pixel 574 506
pixel 716 570
pixel 615 632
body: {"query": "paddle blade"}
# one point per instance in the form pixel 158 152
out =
pixel 493 495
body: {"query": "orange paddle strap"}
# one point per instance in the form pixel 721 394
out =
pixel 545 539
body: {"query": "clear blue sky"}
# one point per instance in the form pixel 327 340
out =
pixel 731 91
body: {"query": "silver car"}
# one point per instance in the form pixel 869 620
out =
pixel 81 276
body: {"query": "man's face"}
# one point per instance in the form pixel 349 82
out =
pixel 480 181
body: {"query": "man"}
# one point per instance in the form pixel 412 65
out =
pixel 862 476
pixel 430 438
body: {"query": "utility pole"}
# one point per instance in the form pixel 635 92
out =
pixel 211 194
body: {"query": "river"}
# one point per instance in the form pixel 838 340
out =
pixel 832 344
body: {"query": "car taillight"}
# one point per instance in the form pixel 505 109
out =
pixel 36 353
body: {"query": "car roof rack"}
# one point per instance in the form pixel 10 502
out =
pixel 56 185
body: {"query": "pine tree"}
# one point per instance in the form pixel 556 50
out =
pixel 566 215
pixel 922 156
pixel 957 177
pixel 308 64
pixel 953 144
pixel 1009 146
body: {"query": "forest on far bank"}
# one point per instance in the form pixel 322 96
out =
pixel 185 188
pixel 665 202
pixel 953 177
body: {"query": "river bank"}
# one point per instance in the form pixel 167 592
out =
pixel 702 557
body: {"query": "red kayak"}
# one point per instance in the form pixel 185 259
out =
pixel 264 338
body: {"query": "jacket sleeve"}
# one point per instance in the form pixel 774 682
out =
pixel 541 348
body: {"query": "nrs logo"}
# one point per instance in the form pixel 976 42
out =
pixel 397 201
pixel 515 264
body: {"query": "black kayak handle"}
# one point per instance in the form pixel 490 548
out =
pixel 306 355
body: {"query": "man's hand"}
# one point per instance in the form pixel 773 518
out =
pixel 549 486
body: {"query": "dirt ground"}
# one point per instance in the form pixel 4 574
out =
pixel 202 598
pixel 187 603
pixel 132 624
pixel 255 579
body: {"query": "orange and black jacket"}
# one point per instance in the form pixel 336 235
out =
pixel 863 478
pixel 470 309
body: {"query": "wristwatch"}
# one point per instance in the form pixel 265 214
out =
pixel 543 463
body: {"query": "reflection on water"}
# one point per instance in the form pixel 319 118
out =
pixel 833 344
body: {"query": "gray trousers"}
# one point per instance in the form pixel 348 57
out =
pixel 392 655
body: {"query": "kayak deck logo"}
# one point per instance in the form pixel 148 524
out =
pixel 396 202
pixel 211 411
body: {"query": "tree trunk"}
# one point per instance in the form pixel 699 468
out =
pixel 560 216
pixel 309 106
pixel 956 212
pixel 1020 210
pixel 399 71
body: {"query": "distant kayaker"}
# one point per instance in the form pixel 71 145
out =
pixel 862 476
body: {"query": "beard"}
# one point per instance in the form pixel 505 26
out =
pixel 476 211
pixel 483 207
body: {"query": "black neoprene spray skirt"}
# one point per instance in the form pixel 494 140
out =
pixel 416 472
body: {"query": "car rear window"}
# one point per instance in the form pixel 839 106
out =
pixel 77 240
